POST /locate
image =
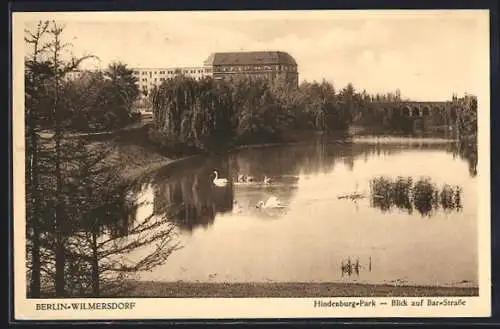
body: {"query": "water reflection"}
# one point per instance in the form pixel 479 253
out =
pixel 192 200
pixel 423 196
pixel 350 268
pixel 237 233
pixel 187 196
pixel 469 153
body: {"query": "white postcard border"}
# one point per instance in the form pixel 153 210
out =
pixel 245 308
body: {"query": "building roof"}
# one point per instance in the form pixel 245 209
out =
pixel 250 58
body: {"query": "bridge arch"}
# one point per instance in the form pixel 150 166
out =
pixel 426 111
pixel 415 112
pixel 406 111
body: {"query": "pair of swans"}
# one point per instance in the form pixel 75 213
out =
pixel 245 179
pixel 251 179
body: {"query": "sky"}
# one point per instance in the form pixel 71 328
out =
pixel 428 55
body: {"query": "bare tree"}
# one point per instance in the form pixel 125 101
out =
pixel 60 69
pixel 106 231
pixel 79 217
pixel 33 81
pixel 45 69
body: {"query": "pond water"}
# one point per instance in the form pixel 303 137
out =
pixel 330 228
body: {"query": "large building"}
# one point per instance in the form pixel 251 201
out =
pixel 150 77
pixel 276 66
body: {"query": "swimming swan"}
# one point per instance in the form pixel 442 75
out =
pixel 272 202
pixel 267 180
pixel 219 181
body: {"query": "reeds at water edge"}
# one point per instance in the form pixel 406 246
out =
pixel 422 195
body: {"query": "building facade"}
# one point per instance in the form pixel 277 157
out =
pixel 275 66
pixel 150 77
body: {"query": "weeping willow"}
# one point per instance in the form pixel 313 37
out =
pixel 206 113
pixel 186 110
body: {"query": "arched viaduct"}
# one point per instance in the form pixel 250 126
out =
pixel 417 109
pixel 412 116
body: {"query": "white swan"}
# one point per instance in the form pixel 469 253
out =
pixel 272 202
pixel 267 180
pixel 219 181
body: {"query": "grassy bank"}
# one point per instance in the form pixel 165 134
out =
pixel 280 290
pixel 133 160
pixel 131 150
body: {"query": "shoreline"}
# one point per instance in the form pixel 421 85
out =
pixel 138 159
pixel 154 289
pixel 401 140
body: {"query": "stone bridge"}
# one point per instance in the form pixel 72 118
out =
pixel 417 109
pixel 419 117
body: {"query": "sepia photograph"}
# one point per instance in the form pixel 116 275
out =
pixel 334 163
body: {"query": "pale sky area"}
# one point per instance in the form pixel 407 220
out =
pixel 428 55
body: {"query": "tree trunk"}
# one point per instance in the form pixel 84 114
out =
pixel 34 290
pixel 59 216
pixel 59 220
pixel 60 264
pixel 32 169
pixel 95 265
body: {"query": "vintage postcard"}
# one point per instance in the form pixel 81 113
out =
pixel 251 164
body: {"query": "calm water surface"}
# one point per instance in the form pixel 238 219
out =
pixel 318 236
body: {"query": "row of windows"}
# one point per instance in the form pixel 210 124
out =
pixel 222 69
pixel 258 76
pixel 151 84
pixel 254 75
pixel 145 80
pixel 176 71
pixel 239 68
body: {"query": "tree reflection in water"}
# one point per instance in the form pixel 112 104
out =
pixel 423 195
pixel 185 194
pixel 466 151
pixel 193 200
